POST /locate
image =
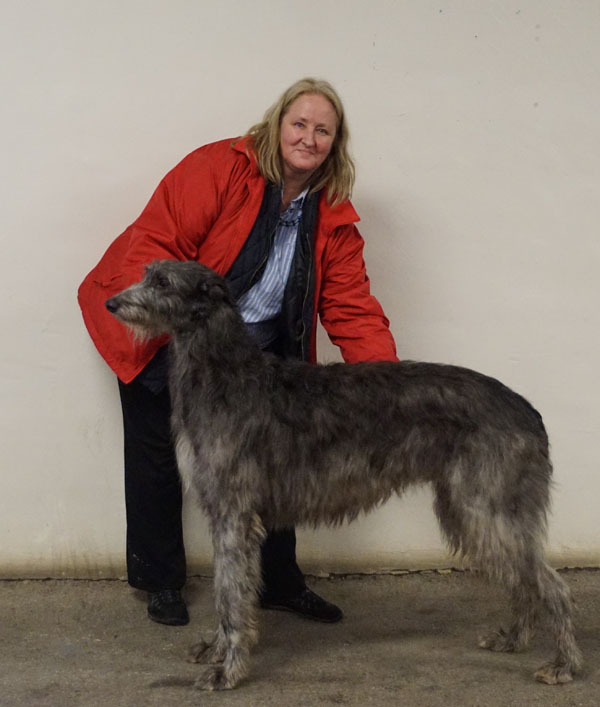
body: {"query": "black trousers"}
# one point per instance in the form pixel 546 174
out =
pixel 153 498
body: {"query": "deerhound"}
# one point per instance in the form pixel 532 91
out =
pixel 271 443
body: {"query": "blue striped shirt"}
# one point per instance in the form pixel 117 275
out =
pixel 263 300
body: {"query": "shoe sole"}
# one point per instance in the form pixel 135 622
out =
pixel 169 622
pixel 308 617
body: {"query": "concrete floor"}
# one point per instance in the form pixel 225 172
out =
pixel 407 640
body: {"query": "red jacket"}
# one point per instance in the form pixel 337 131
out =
pixel 203 210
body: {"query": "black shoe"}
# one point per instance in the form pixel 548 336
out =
pixel 167 607
pixel 306 604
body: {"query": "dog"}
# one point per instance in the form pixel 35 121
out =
pixel 270 443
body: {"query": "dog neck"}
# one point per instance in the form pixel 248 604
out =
pixel 219 350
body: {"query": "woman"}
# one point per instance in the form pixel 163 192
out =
pixel 271 212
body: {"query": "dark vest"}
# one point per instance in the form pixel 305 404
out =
pixel 296 317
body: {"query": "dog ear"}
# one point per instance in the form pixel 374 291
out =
pixel 207 295
pixel 218 291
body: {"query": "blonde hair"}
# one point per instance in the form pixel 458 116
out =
pixel 337 173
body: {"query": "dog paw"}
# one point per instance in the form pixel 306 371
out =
pixel 553 674
pixel 205 652
pixel 498 641
pixel 214 678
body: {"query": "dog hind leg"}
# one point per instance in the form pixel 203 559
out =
pixel 474 530
pixel 501 530
pixel 538 584
pixel 524 611
pixel 556 598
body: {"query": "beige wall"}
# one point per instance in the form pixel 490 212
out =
pixel 475 129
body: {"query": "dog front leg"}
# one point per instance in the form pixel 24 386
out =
pixel 236 541
pixel 209 651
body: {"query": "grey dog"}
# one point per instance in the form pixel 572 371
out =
pixel 271 443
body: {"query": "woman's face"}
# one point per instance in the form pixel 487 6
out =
pixel 307 134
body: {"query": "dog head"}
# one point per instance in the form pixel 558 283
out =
pixel 174 296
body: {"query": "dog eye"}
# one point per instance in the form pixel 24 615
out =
pixel 161 281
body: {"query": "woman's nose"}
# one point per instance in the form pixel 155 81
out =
pixel 308 137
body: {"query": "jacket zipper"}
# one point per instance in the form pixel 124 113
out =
pixel 306 292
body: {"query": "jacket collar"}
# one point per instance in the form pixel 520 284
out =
pixel 330 216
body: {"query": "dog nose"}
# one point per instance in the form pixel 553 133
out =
pixel 111 304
